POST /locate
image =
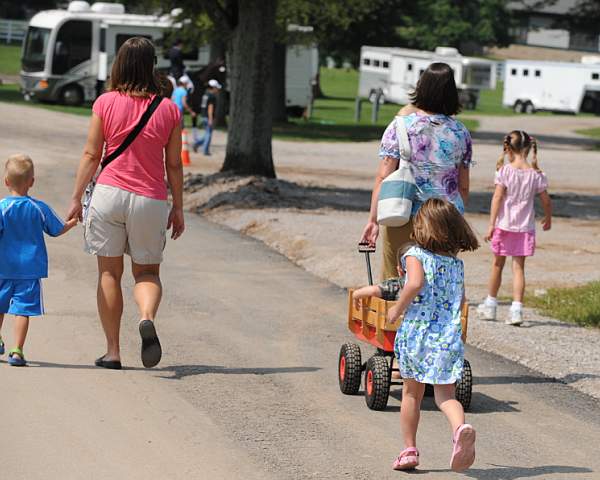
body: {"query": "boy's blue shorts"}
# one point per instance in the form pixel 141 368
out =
pixel 21 297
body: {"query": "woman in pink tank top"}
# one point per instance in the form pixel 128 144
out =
pixel 129 212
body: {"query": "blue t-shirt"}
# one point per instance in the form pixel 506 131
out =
pixel 178 95
pixel 23 221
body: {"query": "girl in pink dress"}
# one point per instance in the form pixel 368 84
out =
pixel 512 219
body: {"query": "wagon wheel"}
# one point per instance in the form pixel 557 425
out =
pixel 464 387
pixel 349 368
pixel 377 382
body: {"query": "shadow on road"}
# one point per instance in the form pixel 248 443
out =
pixel 508 472
pixel 557 141
pixel 183 371
pixel 480 403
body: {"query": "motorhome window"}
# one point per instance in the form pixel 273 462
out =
pixel 538 73
pixel 366 61
pixel 123 37
pixel 376 63
pixel 513 71
pixel 410 67
pixel 73 45
pixel 595 76
pixel 525 72
pixel 34 49
pixel 386 64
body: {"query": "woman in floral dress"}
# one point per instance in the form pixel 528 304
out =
pixel 440 156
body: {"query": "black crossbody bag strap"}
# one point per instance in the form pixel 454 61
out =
pixel 134 133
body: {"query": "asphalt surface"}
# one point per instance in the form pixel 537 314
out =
pixel 248 383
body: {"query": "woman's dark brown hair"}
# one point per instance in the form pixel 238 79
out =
pixel 440 228
pixel 436 90
pixel 133 69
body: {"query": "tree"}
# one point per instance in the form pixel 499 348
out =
pixel 467 25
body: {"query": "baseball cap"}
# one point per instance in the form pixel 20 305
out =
pixel 214 84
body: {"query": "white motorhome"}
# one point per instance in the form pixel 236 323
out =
pixel 67 54
pixel 392 73
pixel 555 86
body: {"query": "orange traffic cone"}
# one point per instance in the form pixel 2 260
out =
pixel 185 149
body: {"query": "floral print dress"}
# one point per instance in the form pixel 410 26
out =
pixel 439 145
pixel 428 345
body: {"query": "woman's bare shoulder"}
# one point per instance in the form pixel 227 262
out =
pixel 407 110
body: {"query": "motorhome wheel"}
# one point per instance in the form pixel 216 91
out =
pixel 71 95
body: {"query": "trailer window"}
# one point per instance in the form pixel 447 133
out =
pixel 538 73
pixel 366 61
pixel 595 76
pixel 376 63
pixel 409 67
pixel 386 64
pixel 513 72
pixel 73 45
pixel 525 72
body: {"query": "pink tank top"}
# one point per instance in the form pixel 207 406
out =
pixel 141 168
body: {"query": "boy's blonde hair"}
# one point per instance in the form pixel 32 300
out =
pixel 18 170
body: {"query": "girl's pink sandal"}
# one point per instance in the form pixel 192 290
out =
pixel 407 460
pixel 463 453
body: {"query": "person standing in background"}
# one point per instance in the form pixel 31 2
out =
pixel 207 112
pixel 179 98
pixel 177 68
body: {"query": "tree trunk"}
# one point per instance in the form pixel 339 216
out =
pixel 278 85
pixel 250 118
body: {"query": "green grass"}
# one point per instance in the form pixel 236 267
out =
pixel 10 59
pixel 333 116
pixel 10 93
pixel 590 132
pixel 579 305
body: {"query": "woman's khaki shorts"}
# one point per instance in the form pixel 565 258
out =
pixel 120 222
pixel 393 239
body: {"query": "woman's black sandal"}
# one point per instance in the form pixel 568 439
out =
pixel 110 364
pixel 151 350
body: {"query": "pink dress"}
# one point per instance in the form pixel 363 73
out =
pixel 514 235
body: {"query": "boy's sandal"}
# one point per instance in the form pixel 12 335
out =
pixel 110 364
pixel 16 357
pixel 407 460
pixel 463 453
pixel 1 346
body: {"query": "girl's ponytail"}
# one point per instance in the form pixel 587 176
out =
pixel 505 149
pixel 534 159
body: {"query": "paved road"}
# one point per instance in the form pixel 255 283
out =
pixel 247 387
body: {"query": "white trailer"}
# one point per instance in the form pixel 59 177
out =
pixel 301 69
pixel 392 73
pixel 554 86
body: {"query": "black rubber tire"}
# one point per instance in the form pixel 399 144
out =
pixel 71 95
pixel 379 369
pixel 464 387
pixel 350 380
pixel 529 108
pixel 429 390
pixel 518 107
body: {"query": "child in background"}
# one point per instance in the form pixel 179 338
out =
pixel 23 256
pixel 428 345
pixel 512 220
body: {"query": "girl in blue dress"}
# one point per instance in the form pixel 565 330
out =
pixel 428 345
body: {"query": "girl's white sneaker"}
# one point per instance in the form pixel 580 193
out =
pixel 515 318
pixel 486 312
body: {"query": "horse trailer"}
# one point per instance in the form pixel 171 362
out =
pixel 391 74
pixel 553 86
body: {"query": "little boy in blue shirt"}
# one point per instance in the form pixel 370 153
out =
pixel 23 255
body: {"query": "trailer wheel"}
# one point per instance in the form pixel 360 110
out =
pixel 377 382
pixel 528 108
pixel 71 95
pixel 518 107
pixel 464 387
pixel 349 368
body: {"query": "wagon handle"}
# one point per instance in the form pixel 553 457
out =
pixel 367 249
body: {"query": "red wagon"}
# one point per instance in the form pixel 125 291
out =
pixel 369 324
